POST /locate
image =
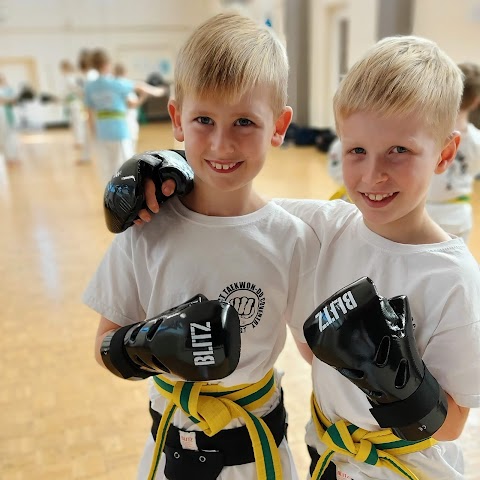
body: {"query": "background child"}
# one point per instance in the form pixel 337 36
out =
pixel 85 135
pixel 224 241
pixel 107 99
pixel 448 200
pixel 9 142
pixel 136 99
pixel 392 147
pixel 334 166
pixel 77 115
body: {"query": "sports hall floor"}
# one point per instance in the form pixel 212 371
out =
pixel 61 415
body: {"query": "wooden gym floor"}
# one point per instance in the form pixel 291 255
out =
pixel 61 415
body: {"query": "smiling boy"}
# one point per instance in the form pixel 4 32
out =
pixel 228 243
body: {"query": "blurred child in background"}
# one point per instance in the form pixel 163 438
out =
pixel 108 100
pixel 9 143
pixel 73 99
pixel 448 201
pixel 135 99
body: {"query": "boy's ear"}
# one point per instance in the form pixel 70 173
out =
pixel 176 118
pixel 281 126
pixel 448 153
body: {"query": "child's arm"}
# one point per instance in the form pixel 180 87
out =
pixel 454 422
pixel 105 327
pixel 305 351
pixel 148 89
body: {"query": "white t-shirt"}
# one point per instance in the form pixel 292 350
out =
pixel 267 258
pixel 456 181
pixel 442 283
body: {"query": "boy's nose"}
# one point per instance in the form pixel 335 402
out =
pixel 221 142
pixel 374 171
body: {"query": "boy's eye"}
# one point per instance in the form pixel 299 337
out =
pixel 358 150
pixel 243 122
pixel 399 149
pixel 204 120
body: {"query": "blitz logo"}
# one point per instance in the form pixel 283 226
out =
pixel 330 313
pixel 203 342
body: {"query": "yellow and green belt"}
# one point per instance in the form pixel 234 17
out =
pixel 110 114
pixel 380 448
pixel 460 199
pixel 213 407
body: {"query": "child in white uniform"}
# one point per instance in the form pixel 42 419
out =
pixel 73 100
pixel 9 142
pixel 334 168
pixel 449 198
pixel 392 147
pixel 224 240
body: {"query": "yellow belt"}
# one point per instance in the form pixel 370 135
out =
pixel 106 114
pixel 367 447
pixel 341 193
pixel 212 407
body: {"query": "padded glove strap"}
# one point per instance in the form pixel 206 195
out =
pixel 417 417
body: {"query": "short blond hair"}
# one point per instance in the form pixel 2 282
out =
pixel 227 56
pixel 401 76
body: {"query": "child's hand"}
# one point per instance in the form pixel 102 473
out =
pixel 168 187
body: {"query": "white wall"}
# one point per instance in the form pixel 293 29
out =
pixel 138 33
pixel 362 34
pixel 454 25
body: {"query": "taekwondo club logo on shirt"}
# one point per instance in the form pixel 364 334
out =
pixel 248 300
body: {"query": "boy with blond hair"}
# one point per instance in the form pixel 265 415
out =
pixel 395 113
pixel 448 200
pixel 223 241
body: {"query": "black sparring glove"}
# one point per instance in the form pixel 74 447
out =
pixel 197 341
pixel 125 194
pixel 369 340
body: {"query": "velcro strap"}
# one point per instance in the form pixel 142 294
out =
pixel 119 359
pixel 412 409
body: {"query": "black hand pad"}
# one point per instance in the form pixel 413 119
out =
pixel 369 339
pixel 198 341
pixel 125 195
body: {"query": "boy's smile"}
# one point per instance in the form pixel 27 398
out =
pixel 378 200
pixel 223 167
